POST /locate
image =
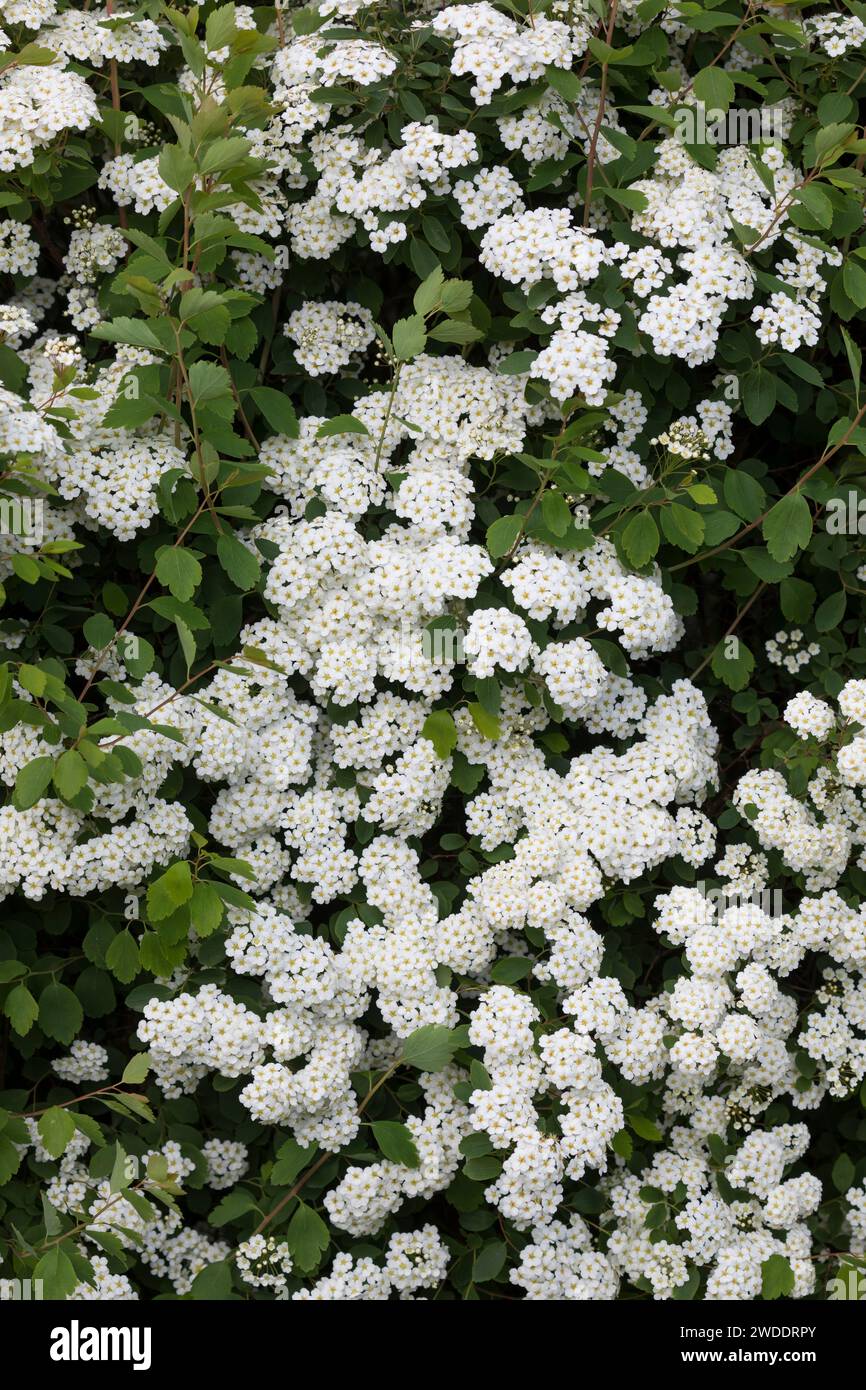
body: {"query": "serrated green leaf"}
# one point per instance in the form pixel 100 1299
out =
pixel 429 1048
pixel 60 1013
pixel 396 1143
pixel 787 527
pixel 56 1127
pixel 441 730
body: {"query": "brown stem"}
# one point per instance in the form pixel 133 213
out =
pixel 732 38
pixel 114 82
pixel 248 431
pixel 810 472
pixel 138 602
pixel 323 1158
pixel 731 630
pixel 599 117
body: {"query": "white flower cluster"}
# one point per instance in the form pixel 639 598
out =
pixel 98 36
pixel 791 650
pixel 816 833
pixel 405 659
pixel 166 1246
pixel 36 104
pixel 328 335
pixel 413 1260
pixel 86 1062
pixel 491 46
pixel 835 33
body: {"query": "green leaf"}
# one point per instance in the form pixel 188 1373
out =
pixel 233 1205
pixel 220 28
pixel 176 167
pixel 489 693
pixel 231 866
pixel 32 781
pixel 221 154
pixel 292 1159
pixel 714 88
pixel 502 535
pixel 854 281
pixel 441 730
pixel 428 294
pixel 211 384
pixel 33 679
pixel 455 331
pixel 60 1013
pixel 139 659
pixel 120 1178
pixel 640 539
pixel 483 1168
pixel 396 1142
pixel 759 395
pixel 10 1159
pixel 206 909
pixel 21 1009
pixel 436 235
pixel 777 1277
pixel 213 1283
pixel 457 295
pixel 689 1288
pixel 26 569
pixel 761 563
pixel 489 1261
pixel 855 361
pixel 622 1144
pixel 566 83
pixel 70 774
pixel 96 992
pixel 816 203
pixel 606 53
pixel 844 1173
pixel 277 410
pixel 136 1069
pixel 122 958
pixel 510 969
pixel 429 1048
pixel 645 1129
pixel 99 631
pixel 158 955
pixel 57 1273
pixel 205 315
pixel 630 198
pixel 831 612
pixel 683 527
pixel 556 512
pixel 341 424
pixel 409 338
pixel 239 563
pixel 127 330
pixel 187 645
pixel 733 663
pixel 787 527
pixel 487 725
pixel 831 137
pixel 307 1237
pixel 56 1127
pixel 179 571
pixel 797 599
pixel 517 362
pixel 171 890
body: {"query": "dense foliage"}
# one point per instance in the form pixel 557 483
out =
pixel 433 695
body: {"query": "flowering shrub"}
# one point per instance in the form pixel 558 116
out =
pixel 433 703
